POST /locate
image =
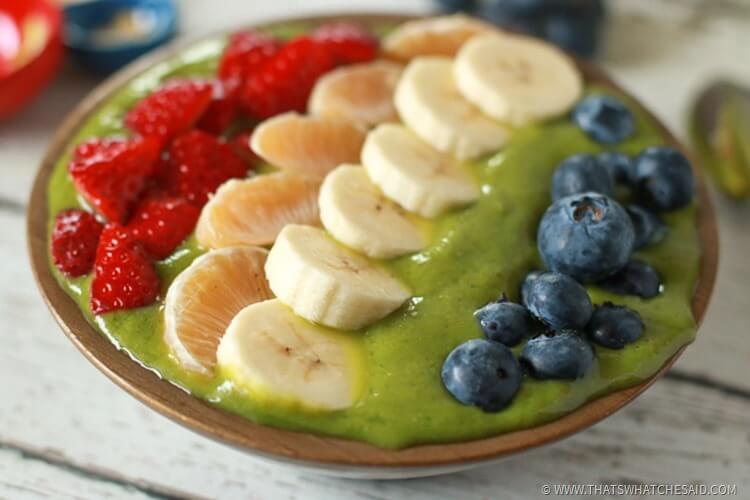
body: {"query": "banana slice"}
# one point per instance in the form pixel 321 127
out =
pixel 435 36
pixel 329 284
pixel 413 174
pixel 357 214
pixel 517 79
pixel 308 145
pixel 279 357
pixel 429 103
pixel 360 93
pixel 205 297
pixel 253 211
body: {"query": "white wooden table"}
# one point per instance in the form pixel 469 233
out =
pixel 66 431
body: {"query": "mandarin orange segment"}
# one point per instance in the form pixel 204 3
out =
pixel 205 297
pixel 311 146
pixel 436 36
pixel 253 211
pixel 361 93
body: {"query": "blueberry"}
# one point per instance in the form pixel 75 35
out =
pixel 587 237
pixel 636 278
pixel 559 301
pixel 663 178
pixel 564 355
pixel 614 326
pixel 649 228
pixel 504 322
pixel 619 164
pixel 526 285
pixel 604 118
pixel 456 5
pixel 580 174
pixel 576 32
pixel 482 373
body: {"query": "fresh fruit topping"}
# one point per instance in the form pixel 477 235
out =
pixel 561 356
pixel 605 119
pixel 582 173
pixel 358 215
pixel 559 301
pixel 347 42
pixel 170 110
pixel 587 236
pixel 663 178
pixel 636 278
pixel 429 103
pixel 205 297
pixel 436 36
pixel 505 322
pixel 410 172
pixel 413 174
pixel 253 211
pixel 614 326
pixel 285 81
pixel 124 277
pixel 245 55
pixel 278 357
pixel 526 285
pixel 649 228
pixel 75 237
pixel 161 224
pixel 198 164
pixel 483 374
pixel 361 94
pixel 308 145
pixel 517 79
pixel 619 165
pixel 111 173
pixel 219 114
pixel 329 284
pixel 240 144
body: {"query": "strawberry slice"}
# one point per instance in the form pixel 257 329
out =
pixel 198 164
pixel 220 112
pixel 348 42
pixel 240 144
pixel 246 52
pixel 171 109
pixel 160 224
pixel 110 173
pixel 285 81
pixel 124 277
pixel 75 237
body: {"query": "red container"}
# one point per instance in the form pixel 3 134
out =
pixel 19 84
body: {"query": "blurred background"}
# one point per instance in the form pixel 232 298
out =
pixel 687 60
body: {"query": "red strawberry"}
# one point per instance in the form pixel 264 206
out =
pixel 170 110
pixel 240 144
pixel 198 164
pixel 284 83
pixel 74 240
pixel 124 277
pixel 220 113
pixel 161 224
pixel 110 173
pixel 246 52
pixel 348 42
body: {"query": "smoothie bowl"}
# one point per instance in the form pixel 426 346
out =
pixel 371 245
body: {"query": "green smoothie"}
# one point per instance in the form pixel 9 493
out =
pixel 475 254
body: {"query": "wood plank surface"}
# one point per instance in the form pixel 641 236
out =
pixel 67 432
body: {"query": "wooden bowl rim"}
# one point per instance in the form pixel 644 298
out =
pixel 280 444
